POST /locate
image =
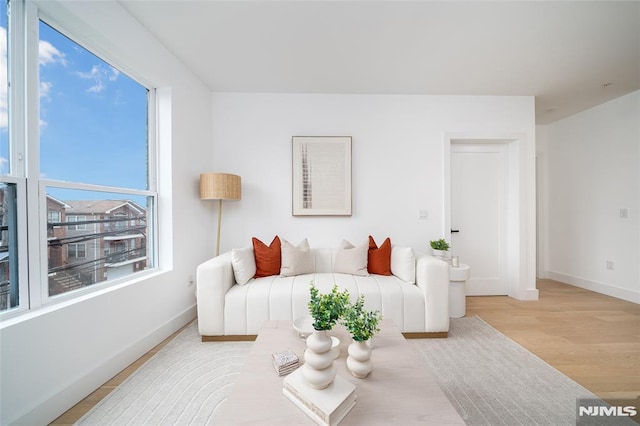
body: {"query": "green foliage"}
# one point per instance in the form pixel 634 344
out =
pixel 440 244
pixel 326 309
pixel 361 324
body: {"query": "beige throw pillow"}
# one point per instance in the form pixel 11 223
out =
pixel 352 259
pixel 296 260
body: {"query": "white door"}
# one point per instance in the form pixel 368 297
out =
pixel 478 213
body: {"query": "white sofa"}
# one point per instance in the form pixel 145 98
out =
pixel 415 297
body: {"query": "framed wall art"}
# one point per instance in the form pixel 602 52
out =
pixel 321 175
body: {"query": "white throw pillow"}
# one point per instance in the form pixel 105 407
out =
pixel 244 264
pixel 403 263
pixel 296 260
pixel 352 259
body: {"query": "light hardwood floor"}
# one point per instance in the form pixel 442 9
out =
pixel 592 338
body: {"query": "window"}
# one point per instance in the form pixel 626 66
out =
pixel 54 216
pixel 77 250
pixel 76 218
pixel 92 180
pixel 4 91
pixel 8 244
pixel 9 295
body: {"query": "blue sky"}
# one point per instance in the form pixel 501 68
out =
pixel 93 118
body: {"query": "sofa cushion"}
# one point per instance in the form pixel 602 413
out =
pixel 403 263
pixel 296 260
pixel 268 258
pixel 244 264
pixel 379 258
pixel 286 298
pixel 351 259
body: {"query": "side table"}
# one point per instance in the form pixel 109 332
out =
pixel 457 292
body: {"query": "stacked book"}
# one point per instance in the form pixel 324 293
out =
pixel 285 362
pixel 325 407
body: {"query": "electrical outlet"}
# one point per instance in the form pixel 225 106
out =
pixel 610 265
pixel 423 214
pixel 191 281
pixel 624 213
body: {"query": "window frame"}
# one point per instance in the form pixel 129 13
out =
pixel 24 141
pixel 76 249
pixel 76 218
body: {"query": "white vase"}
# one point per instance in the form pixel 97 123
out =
pixel 318 369
pixel 440 254
pixel 359 359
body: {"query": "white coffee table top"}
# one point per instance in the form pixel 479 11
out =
pixel 400 390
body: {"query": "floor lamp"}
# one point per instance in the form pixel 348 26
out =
pixel 220 186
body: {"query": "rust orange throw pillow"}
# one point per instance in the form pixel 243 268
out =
pixel 379 258
pixel 267 258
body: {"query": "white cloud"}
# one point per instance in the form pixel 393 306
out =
pixel 114 74
pixel 45 88
pixel 48 54
pixel 100 75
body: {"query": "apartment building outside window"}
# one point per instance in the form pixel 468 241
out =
pixel 92 178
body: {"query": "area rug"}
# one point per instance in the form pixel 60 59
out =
pixel 489 379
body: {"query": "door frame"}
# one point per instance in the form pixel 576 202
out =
pixel 515 253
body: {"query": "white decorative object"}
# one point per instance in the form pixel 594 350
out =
pixel 303 326
pixel 457 290
pixel 335 347
pixel 440 254
pixel 359 359
pixel 318 369
pixel 325 407
pixel 321 175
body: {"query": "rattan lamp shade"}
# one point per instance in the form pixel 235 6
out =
pixel 220 186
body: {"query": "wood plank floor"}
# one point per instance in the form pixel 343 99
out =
pixel 592 338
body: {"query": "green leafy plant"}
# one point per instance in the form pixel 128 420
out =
pixel 361 324
pixel 326 309
pixel 440 244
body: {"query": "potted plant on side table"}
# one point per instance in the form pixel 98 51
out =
pixel 325 309
pixel 362 325
pixel 440 248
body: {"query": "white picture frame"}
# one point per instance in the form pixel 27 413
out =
pixel 321 170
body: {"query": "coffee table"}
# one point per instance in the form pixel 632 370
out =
pixel 399 391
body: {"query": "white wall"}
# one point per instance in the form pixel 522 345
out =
pixel 55 356
pixel 590 166
pixel 397 164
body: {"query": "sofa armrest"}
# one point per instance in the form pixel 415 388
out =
pixel 213 279
pixel 432 276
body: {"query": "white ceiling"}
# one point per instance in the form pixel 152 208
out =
pixel 569 55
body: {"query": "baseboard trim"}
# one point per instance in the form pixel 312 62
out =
pixel 607 289
pixel 252 337
pixel 68 394
pixel 230 338
pixel 426 335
